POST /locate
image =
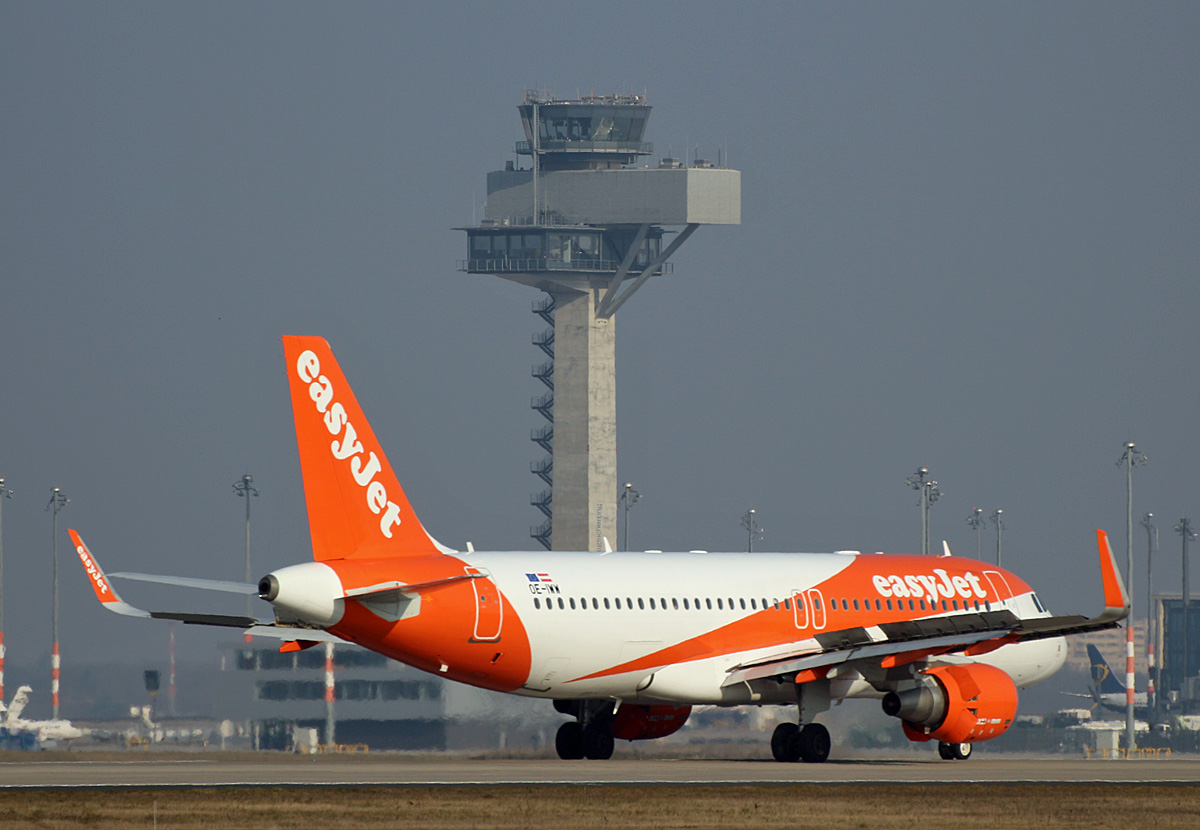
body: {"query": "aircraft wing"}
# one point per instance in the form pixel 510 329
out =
pixel 896 644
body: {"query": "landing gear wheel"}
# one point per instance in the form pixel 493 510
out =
pixel 954 752
pixel 814 743
pixel 569 741
pixel 598 742
pixel 783 743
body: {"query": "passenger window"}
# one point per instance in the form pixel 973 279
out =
pixel 675 603
pixel 911 606
pixel 856 605
pixel 878 607
pixel 787 604
pixel 889 603
pixel 641 604
pixel 606 603
pixel 537 603
pixel 560 604
pixel 708 602
pixel 753 604
pixel 595 604
pixel 922 605
pixel 685 604
pixel 743 601
pixel 720 606
pixel 651 603
pixel 572 603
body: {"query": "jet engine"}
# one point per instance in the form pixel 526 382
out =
pixel 639 722
pixel 956 704
pixel 310 592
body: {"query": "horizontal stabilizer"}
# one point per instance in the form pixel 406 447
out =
pixel 244 588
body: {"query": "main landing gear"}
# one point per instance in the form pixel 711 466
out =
pixel 590 736
pixel 954 752
pixel 810 743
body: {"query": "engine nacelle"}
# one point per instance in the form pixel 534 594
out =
pixel 640 722
pixel 956 704
pixel 310 592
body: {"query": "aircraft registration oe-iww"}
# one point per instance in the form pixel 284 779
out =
pixel 626 643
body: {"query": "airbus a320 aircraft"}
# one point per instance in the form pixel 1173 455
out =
pixel 626 643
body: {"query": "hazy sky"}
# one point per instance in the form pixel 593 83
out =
pixel 970 240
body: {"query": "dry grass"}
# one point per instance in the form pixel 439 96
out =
pixel 820 807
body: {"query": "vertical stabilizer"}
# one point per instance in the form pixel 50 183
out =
pixel 356 507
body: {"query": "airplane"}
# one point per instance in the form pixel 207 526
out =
pixel 46 730
pixel 1107 691
pixel 625 643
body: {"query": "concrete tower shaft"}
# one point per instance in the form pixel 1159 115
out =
pixel 584 225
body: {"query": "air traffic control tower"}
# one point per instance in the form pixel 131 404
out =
pixel 583 222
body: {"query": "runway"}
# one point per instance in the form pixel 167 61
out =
pixel 401 771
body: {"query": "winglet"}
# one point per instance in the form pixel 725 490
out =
pixel 100 584
pixel 1116 598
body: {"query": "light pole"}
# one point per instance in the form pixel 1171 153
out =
pixel 245 489
pixel 5 493
pixel 1129 459
pixel 1151 543
pixel 997 518
pixel 753 531
pixel 629 497
pixel 58 501
pixel 929 494
pixel 976 521
pixel 1184 529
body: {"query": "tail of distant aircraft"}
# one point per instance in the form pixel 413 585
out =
pixel 356 507
pixel 19 702
pixel 1106 682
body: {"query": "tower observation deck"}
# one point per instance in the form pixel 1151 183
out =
pixel 585 224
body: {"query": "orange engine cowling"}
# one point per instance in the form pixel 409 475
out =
pixel 637 722
pixel 956 704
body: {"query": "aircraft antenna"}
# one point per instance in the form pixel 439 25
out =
pixel 929 494
pixel 58 500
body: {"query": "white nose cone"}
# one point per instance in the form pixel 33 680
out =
pixel 310 593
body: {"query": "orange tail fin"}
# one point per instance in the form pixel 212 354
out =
pixel 356 507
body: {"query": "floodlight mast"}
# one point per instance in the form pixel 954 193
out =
pixel 1151 543
pixel 5 493
pixel 976 521
pixel 753 530
pixel 1184 529
pixel 629 497
pixel 58 500
pixel 929 494
pixel 1130 458
pixel 997 518
pixel 244 489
